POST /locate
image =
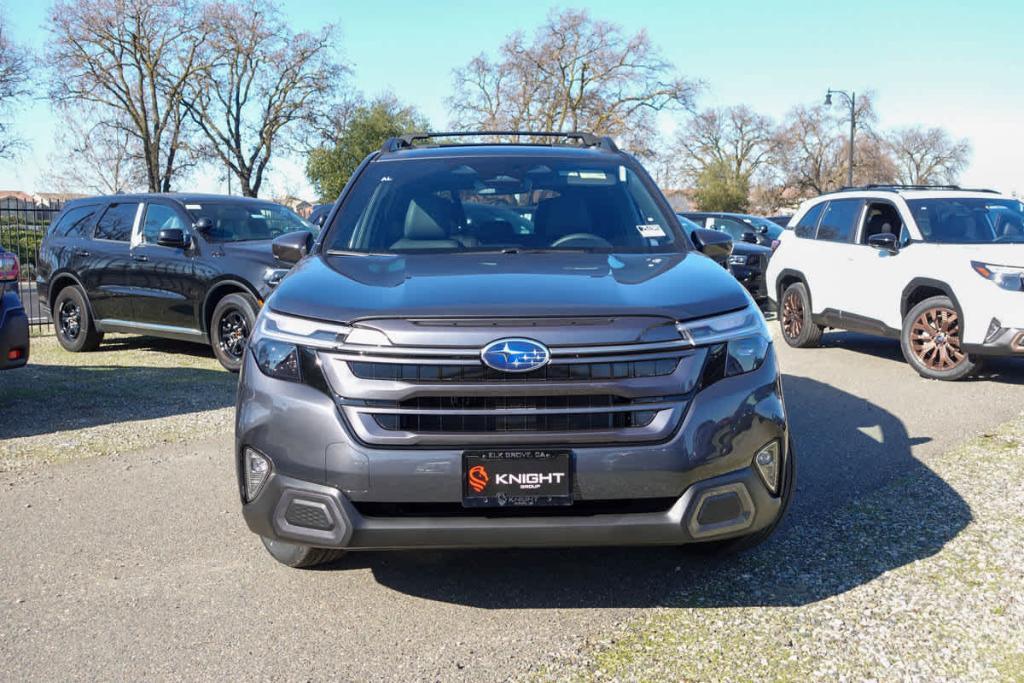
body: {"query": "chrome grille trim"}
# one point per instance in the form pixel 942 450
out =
pixel 457 355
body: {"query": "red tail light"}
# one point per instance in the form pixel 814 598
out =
pixel 8 267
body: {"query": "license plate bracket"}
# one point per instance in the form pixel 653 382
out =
pixel 517 477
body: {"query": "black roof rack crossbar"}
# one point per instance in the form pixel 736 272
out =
pixel 586 139
pixel 896 187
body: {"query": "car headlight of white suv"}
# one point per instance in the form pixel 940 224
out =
pixel 1007 277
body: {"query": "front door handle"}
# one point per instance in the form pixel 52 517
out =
pixel 81 252
pixel 139 257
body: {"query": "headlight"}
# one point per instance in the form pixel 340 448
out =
pixel 285 347
pixel 738 260
pixel 739 342
pixel 1007 277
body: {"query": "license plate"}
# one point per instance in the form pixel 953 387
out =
pixel 507 478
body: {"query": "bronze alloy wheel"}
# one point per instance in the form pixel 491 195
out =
pixel 792 314
pixel 935 339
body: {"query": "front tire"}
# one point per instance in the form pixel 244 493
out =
pixel 798 328
pixel 230 326
pixel 73 321
pixel 299 556
pixel 931 341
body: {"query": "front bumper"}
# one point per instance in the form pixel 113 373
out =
pixel 317 461
pixel 13 331
pixel 307 513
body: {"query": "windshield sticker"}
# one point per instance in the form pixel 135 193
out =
pixel 651 230
pixel 194 207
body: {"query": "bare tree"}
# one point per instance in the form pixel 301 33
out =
pixel 736 139
pixel 575 73
pixel 815 152
pixel 927 156
pixel 14 73
pixel 99 157
pixel 263 83
pixel 131 59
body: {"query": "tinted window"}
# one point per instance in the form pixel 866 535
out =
pixel 501 202
pixel 160 217
pixel 732 227
pixel 74 222
pixel 969 220
pixel 116 222
pixel 839 219
pixel 808 225
pixel 244 222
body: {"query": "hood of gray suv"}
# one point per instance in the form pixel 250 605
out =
pixel 346 288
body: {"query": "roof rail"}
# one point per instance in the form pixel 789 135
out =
pixel 586 139
pixel 897 187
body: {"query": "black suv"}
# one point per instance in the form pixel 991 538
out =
pixel 184 266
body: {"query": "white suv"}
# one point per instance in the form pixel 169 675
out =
pixel 939 268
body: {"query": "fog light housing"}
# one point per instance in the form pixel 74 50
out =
pixel 767 462
pixel 256 473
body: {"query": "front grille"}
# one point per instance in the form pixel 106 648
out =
pixel 556 413
pixel 571 372
pixel 580 508
pixel 468 424
pixel 443 395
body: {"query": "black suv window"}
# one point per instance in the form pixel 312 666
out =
pixel 501 202
pixel 808 225
pixel 160 217
pixel 839 219
pixel 116 222
pixel 74 222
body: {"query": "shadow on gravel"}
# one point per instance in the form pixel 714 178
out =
pixel 1002 370
pixel 40 399
pixel 864 506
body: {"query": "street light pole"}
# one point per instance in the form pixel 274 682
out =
pixel 851 98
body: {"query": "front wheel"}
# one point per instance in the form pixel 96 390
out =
pixel 932 340
pixel 230 327
pixel 299 556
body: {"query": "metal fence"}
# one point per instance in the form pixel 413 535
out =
pixel 22 225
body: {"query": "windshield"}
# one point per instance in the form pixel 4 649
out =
pixel 243 222
pixel 969 220
pixel 505 203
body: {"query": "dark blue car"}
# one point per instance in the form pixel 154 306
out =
pixel 13 321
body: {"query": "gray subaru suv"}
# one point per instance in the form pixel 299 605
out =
pixel 508 345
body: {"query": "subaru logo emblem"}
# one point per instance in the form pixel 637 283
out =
pixel 515 355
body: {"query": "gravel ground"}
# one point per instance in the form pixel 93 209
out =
pixel 131 393
pixel 955 614
pixel 897 560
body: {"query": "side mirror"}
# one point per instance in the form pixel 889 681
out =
pixel 885 241
pixel 761 230
pixel 292 247
pixel 203 223
pixel 714 244
pixel 749 237
pixel 319 222
pixel 173 237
